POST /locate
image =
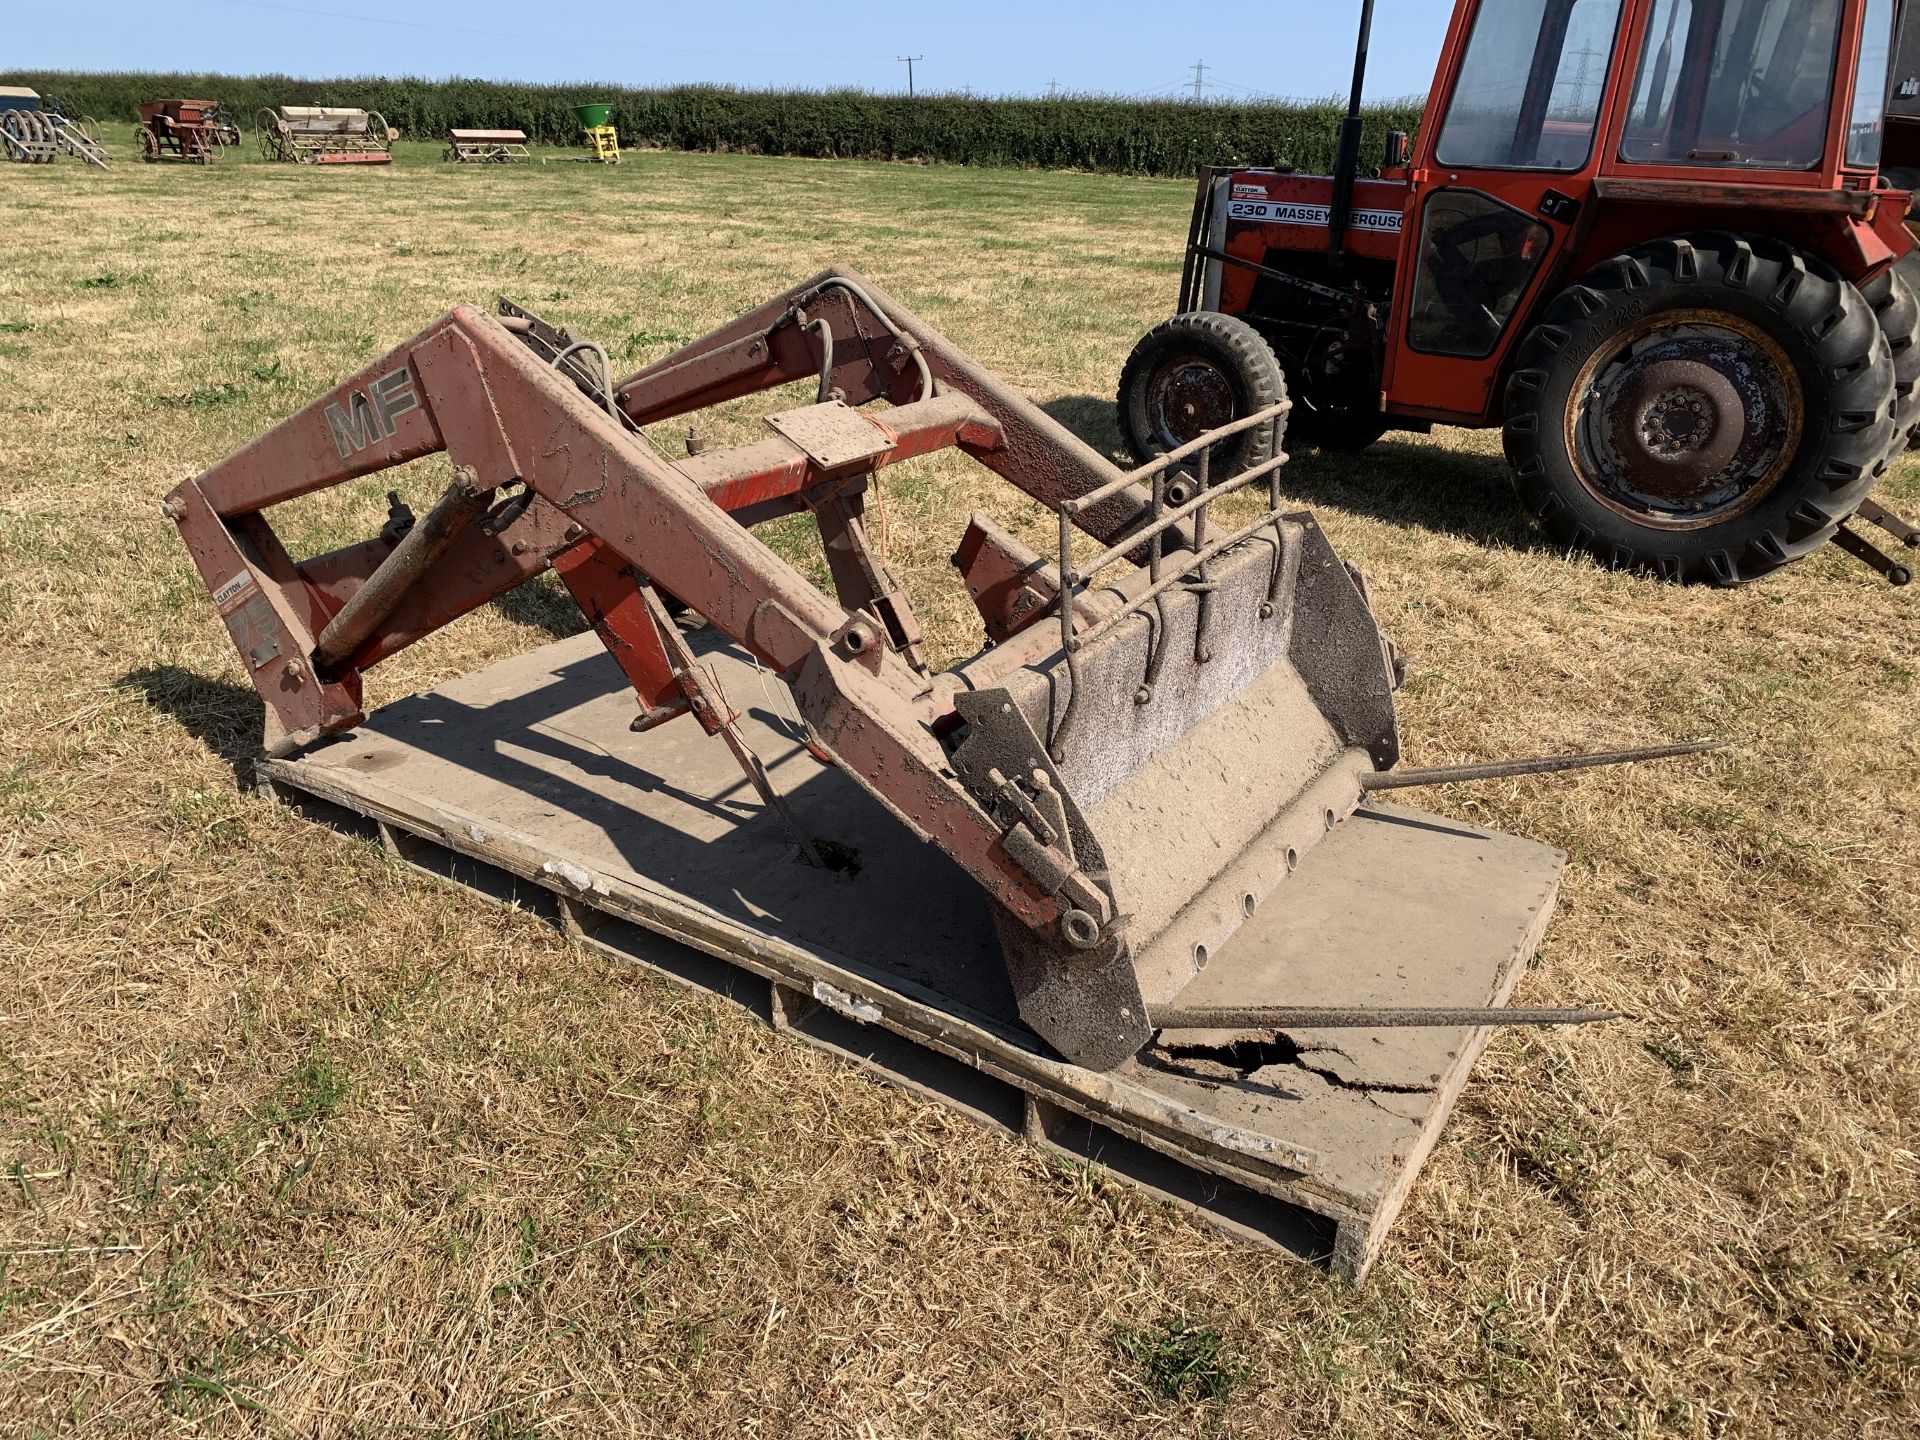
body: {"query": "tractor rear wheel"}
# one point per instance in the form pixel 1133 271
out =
pixel 1193 373
pixel 1707 407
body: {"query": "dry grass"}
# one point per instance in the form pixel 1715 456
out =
pixel 294 1142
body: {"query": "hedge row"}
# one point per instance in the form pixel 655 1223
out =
pixel 1069 133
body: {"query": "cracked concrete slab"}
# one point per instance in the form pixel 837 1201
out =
pixel 532 757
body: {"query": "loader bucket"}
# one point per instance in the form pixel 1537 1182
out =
pixel 1202 739
pixel 1168 712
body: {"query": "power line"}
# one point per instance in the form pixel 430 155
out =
pixel 909 59
pixel 545 39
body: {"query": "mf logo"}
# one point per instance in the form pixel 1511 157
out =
pixel 366 419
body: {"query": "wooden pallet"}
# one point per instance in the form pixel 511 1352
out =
pixel 523 782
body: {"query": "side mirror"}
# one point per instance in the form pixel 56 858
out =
pixel 1399 151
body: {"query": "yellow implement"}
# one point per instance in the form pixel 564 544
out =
pixel 605 141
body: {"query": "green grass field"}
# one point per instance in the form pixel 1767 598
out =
pixel 295 1142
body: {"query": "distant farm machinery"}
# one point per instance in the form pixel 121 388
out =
pixel 226 129
pixel 325 135
pixel 179 130
pixel 486 147
pixel 33 131
pixel 602 139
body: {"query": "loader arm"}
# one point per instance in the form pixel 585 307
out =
pixel 875 342
pixel 1126 784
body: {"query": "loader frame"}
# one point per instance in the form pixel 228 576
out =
pixel 551 470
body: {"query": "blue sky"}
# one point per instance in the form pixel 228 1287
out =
pixel 1282 47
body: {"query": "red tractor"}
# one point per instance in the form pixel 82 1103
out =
pixel 1647 238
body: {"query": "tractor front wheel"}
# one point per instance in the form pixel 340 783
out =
pixel 1707 407
pixel 1194 373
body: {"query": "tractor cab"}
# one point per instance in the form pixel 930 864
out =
pixel 1571 130
pixel 1591 244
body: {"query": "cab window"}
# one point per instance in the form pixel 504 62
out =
pixel 1734 83
pixel 1477 257
pixel 1530 85
pixel 1867 119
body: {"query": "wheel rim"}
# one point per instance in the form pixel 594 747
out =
pixel 1186 398
pixel 1685 419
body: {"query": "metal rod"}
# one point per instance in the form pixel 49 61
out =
pixel 1871 555
pixel 1272 606
pixel 1345 1017
pixel 464 501
pixel 1201 654
pixel 1157 618
pixel 1169 519
pixel 703 691
pixel 1156 551
pixel 1174 457
pixel 1325 292
pixel 1347 162
pixel 1533 765
pixel 1874 513
pixel 1245 532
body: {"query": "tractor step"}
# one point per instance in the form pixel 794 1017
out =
pixel 524 781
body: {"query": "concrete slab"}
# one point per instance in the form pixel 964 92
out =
pixel 523 780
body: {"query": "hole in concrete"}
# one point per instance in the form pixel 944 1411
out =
pixel 1249 1054
pixel 837 856
pixel 1200 956
pixel 1248 904
pixel 1246 1055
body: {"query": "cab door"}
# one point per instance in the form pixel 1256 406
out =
pixel 1499 186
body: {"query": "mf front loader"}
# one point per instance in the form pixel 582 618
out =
pixel 1168 714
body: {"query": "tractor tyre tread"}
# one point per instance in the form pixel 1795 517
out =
pixel 1898 310
pixel 1828 331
